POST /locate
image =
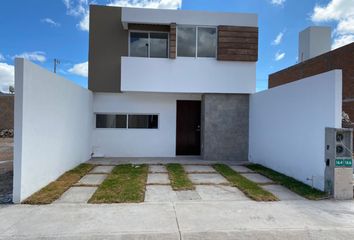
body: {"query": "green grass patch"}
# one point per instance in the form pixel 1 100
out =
pixel 55 189
pixel 125 184
pixel 178 177
pixel 289 182
pixel 249 188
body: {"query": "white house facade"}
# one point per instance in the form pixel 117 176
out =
pixel 167 82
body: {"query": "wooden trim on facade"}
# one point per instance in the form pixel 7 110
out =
pixel 173 36
pixel 237 43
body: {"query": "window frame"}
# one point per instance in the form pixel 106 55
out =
pixel 127 120
pixel 196 40
pixel 149 42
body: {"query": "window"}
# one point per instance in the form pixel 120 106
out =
pixel 111 121
pixel 145 44
pixel 206 42
pixel 186 41
pixel 158 45
pixel 139 44
pixel 146 121
pixel 196 42
pixel 143 121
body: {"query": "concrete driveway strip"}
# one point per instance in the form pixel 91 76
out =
pixel 79 221
pixel 76 195
pixel 252 220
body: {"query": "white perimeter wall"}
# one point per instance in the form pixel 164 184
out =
pixel 187 75
pixel 159 142
pixel 53 127
pixel 287 125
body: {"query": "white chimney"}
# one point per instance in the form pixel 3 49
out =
pixel 314 41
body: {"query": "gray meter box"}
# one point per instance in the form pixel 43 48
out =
pixel 339 163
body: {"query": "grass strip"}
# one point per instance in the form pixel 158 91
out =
pixel 179 178
pixel 289 182
pixel 249 188
pixel 125 184
pixel 55 189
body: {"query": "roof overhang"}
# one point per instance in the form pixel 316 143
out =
pixel 183 17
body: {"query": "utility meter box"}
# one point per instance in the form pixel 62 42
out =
pixel 339 163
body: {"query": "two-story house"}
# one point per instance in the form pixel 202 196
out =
pixel 171 82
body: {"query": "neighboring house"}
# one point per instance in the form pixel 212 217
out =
pixel 316 57
pixel 171 82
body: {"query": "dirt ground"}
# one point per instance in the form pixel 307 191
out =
pixel 6 169
pixel 6 149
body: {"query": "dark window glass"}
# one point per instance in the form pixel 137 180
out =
pixel 206 42
pixel 186 41
pixel 143 121
pixel 111 121
pixel 159 45
pixel 139 44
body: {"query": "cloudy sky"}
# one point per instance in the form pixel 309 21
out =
pixel 41 30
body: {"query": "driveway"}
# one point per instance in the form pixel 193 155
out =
pixel 6 169
pixel 214 211
pixel 209 185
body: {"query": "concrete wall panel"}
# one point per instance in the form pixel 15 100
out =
pixel 225 127
pixel 53 127
pixel 287 126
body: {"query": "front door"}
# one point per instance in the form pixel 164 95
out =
pixel 188 127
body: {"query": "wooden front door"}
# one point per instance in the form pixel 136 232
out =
pixel 188 127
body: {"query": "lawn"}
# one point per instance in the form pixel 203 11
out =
pixel 55 189
pixel 289 182
pixel 178 177
pixel 249 188
pixel 125 184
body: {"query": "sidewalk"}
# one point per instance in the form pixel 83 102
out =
pixel 181 220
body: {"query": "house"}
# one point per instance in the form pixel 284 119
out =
pixel 315 57
pixel 169 82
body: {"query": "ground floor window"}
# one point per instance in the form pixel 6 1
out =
pixel 143 121
pixel 140 121
pixel 111 121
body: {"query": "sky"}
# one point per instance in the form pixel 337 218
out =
pixel 44 30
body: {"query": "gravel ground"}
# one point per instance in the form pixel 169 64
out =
pixel 6 169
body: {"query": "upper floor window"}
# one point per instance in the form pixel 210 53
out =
pixel 139 44
pixel 186 42
pixel 206 42
pixel 196 41
pixel 148 44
